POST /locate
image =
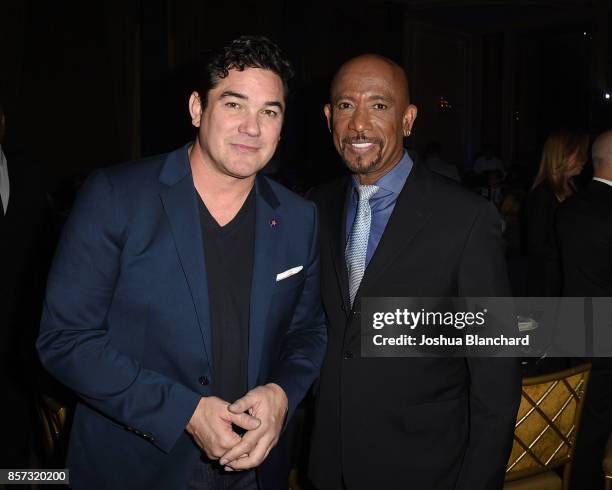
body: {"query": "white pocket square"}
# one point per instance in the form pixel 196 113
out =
pixel 288 273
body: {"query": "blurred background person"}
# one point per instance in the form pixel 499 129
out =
pixel 487 162
pixel 437 164
pixel 487 175
pixel 23 259
pixel 15 448
pixel 584 231
pixel 493 190
pixel 563 157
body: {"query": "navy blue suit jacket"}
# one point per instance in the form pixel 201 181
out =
pixel 126 321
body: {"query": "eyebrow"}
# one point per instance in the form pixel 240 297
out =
pixel 229 93
pixel 370 98
pixel 238 95
pixel 275 103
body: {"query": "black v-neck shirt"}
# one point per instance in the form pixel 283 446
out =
pixel 229 254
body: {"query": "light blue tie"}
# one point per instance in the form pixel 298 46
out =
pixel 357 246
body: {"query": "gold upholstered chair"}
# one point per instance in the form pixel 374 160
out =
pixel 546 429
pixel 52 416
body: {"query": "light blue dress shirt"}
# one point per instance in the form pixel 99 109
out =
pixel 382 203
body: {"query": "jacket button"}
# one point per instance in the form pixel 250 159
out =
pixel 203 380
pixel 348 354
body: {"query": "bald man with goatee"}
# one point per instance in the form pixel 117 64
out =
pixel 400 423
pixel 584 230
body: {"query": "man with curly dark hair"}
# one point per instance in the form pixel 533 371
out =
pixel 245 52
pixel 183 303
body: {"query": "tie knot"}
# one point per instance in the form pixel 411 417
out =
pixel 367 191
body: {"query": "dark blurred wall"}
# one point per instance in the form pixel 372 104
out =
pixel 505 76
pixel 438 60
pixel 67 91
pixel 93 83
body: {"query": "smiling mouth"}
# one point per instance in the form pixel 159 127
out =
pixel 361 146
pixel 245 148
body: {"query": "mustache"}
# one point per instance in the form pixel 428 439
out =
pixel 361 139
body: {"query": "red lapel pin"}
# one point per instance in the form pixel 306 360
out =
pixel 273 223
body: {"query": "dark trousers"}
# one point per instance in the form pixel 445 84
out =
pixel 595 427
pixel 209 475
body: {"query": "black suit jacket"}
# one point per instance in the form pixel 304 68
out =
pixel 584 229
pixel 413 423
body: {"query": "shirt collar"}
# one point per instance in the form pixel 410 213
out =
pixel 604 181
pixel 394 180
pixel 2 158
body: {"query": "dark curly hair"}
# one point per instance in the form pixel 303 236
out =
pixel 241 53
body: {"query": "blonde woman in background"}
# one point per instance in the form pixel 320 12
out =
pixel 563 157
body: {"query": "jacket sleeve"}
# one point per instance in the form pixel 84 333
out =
pixel 495 383
pixel 305 342
pixel 74 343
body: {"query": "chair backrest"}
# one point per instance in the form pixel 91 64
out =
pixel 547 422
pixel 52 416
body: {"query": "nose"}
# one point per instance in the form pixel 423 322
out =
pixel 359 121
pixel 250 125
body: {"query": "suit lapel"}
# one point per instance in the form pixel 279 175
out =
pixel 337 213
pixel 410 213
pixel 181 206
pixel 268 233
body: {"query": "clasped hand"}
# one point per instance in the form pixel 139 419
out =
pixel 261 412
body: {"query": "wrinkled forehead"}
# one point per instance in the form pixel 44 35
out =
pixel 370 76
pixel 255 81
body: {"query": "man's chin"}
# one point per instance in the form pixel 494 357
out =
pixel 359 166
pixel 244 170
